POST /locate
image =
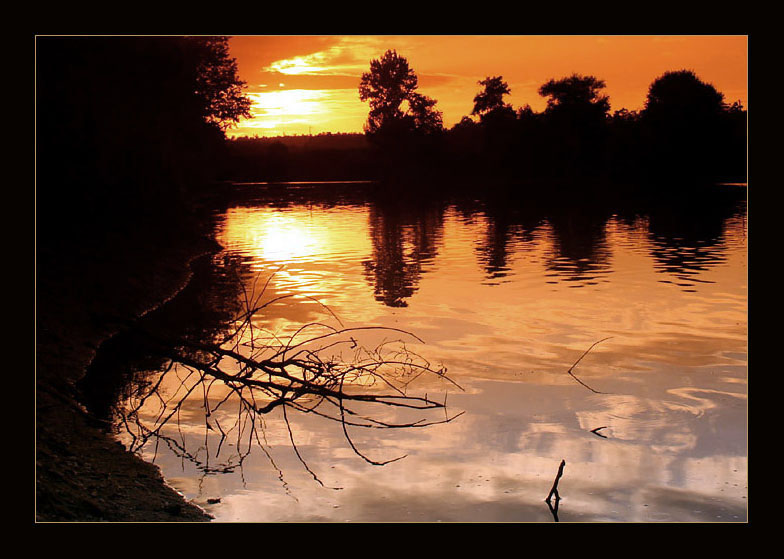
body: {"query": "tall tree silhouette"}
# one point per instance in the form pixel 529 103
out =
pixel 396 108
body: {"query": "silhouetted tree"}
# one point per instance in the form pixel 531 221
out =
pixel 576 118
pixel 218 86
pixel 576 94
pixel 396 109
pixel 426 119
pixel 684 125
pixel 525 113
pixel 682 95
pixel 463 147
pixel 491 98
pixel 497 120
pixel 128 126
pixel 735 146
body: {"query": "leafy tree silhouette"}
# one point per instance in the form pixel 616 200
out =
pixel 491 98
pixel 576 118
pixel 624 146
pixel 396 109
pixel 681 95
pixel 218 88
pixel 578 96
pixel 426 119
pixel 497 121
pixel 683 123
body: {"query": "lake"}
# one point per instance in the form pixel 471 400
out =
pixel 612 338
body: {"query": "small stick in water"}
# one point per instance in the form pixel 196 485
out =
pixel 554 490
pixel 580 359
pixel 597 433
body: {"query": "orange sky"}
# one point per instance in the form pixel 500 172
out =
pixel 308 84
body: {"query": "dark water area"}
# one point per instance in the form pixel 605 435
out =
pixel 506 290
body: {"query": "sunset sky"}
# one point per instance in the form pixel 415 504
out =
pixel 309 84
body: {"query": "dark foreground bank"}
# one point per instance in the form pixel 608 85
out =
pixel 82 473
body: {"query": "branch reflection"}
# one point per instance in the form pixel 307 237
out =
pixel 228 386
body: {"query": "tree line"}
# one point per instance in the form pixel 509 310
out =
pixel 685 131
pixel 132 126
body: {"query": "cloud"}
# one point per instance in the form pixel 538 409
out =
pixel 438 80
pixel 307 81
pixel 347 57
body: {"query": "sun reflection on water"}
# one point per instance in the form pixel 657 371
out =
pixel 672 378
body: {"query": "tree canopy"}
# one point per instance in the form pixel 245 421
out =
pixel 575 93
pixel 217 85
pixel 491 98
pixel 690 129
pixel 681 94
pixel 395 105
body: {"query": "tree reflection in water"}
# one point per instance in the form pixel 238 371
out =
pixel 405 236
pixel 688 238
pixel 214 400
pixel 508 230
pixel 580 251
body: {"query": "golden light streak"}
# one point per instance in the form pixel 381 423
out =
pixel 302 111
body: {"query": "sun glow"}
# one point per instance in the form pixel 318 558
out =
pixel 281 238
pixel 281 243
pixel 290 102
pixel 300 111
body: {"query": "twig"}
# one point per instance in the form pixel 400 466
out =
pixel 554 490
pixel 580 359
pixel 301 372
pixel 596 431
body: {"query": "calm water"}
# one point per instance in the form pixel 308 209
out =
pixel 652 425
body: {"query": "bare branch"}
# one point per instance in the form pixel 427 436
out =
pixel 306 372
pixel 580 359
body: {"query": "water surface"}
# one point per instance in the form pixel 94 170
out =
pixel 652 426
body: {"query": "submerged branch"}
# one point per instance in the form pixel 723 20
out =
pixel 306 372
pixel 580 359
pixel 597 433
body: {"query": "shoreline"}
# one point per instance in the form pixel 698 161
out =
pixel 83 474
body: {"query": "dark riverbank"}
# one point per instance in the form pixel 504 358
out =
pixel 82 473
